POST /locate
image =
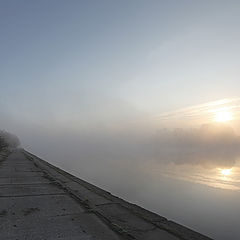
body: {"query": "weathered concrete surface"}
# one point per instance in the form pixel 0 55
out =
pixel 40 201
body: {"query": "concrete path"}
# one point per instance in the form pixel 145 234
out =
pixel 40 201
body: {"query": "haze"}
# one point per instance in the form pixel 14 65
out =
pixel 138 97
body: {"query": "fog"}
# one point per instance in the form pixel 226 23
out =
pixel 210 145
pixel 126 94
pixel 129 160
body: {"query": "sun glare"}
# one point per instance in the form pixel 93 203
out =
pixel 223 116
pixel 226 172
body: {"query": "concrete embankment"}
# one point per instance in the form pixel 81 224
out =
pixel 41 201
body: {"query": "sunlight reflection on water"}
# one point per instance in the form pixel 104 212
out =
pixel 213 177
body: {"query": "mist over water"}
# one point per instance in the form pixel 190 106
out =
pixel 174 172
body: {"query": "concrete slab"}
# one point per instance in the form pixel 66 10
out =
pixel 37 206
pixel 78 226
pixel 132 224
pixel 85 194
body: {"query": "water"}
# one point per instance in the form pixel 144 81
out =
pixel 203 199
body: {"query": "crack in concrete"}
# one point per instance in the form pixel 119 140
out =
pixel 33 195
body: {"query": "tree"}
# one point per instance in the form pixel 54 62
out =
pixel 3 143
pixel 8 140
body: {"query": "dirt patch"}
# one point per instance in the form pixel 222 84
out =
pixel 28 211
pixel 3 213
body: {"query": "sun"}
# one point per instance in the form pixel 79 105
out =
pixel 223 116
pixel 226 172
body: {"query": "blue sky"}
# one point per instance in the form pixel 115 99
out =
pixel 76 62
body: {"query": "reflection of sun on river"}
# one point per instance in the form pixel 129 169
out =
pixel 225 178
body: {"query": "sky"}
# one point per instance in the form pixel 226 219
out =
pixel 99 62
pixel 111 90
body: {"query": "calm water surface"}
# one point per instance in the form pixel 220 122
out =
pixel 204 199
